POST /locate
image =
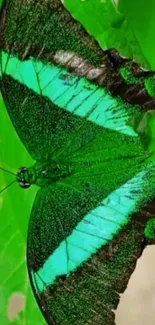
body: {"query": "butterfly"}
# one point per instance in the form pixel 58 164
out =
pixel 78 111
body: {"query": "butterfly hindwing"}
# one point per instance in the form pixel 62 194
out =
pixel 79 257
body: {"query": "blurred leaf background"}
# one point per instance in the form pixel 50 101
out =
pixel 131 31
pixel 127 25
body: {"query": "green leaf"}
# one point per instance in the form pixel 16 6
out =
pixel 141 16
pixel 128 27
pixel 15 207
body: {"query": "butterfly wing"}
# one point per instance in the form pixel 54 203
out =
pixel 55 58
pixel 51 127
pixel 48 33
pixel 80 254
pixel 76 221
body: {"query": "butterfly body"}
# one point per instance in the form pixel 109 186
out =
pixel 42 174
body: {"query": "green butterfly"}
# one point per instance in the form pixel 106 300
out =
pixel 78 111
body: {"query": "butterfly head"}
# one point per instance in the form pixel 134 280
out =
pixel 23 177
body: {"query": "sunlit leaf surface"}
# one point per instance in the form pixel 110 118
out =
pixel 128 27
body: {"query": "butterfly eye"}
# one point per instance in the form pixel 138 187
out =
pixel 22 177
pixel 21 170
pixel 24 184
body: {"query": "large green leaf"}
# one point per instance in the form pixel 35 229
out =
pixel 15 207
pixel 128 27
pixel 141 15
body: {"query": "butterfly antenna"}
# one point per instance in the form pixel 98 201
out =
pixel 7 171
pixel 7 186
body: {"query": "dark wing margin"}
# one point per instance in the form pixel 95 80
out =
pixel 90 293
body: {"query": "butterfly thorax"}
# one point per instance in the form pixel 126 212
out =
pixel 42 174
